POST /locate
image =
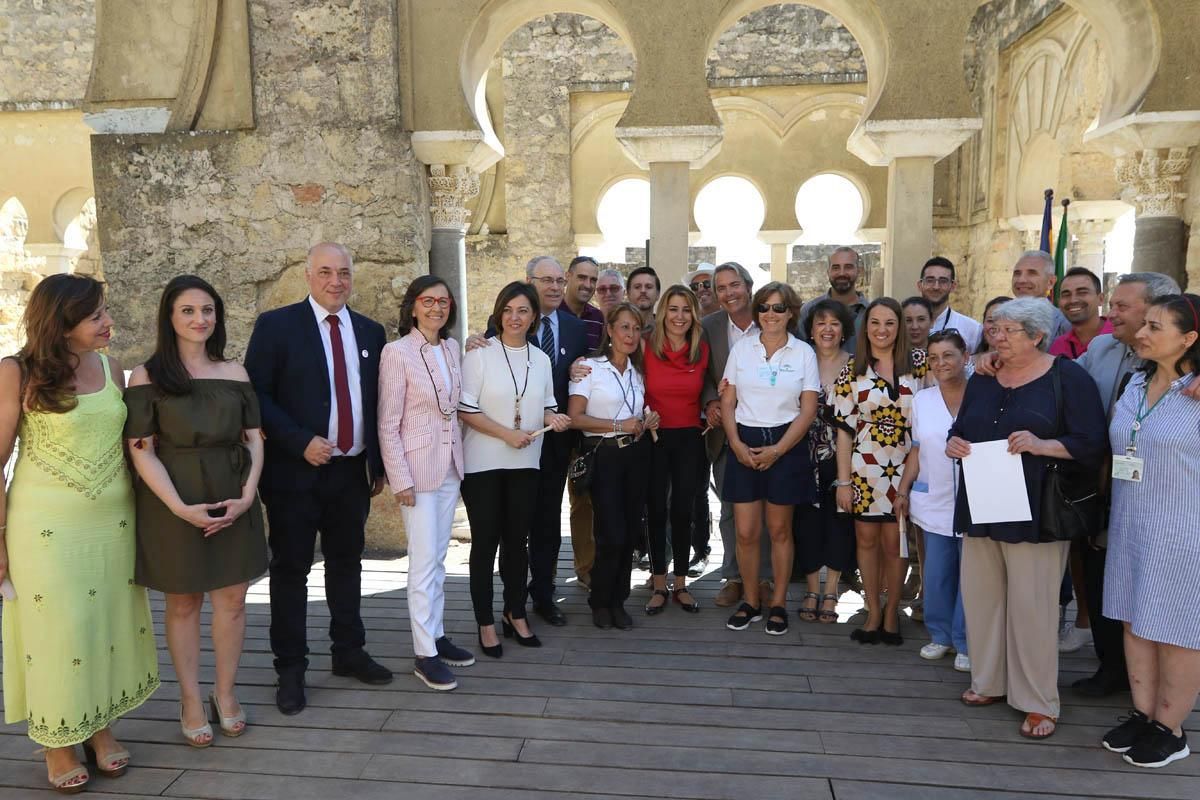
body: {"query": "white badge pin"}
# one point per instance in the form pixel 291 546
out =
pixel 562 351
pixel 364 354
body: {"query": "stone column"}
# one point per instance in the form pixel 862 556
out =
pixel 670 215
pixel 781 243
pixel 1154 179
pixel 1089 243
pixel 450 189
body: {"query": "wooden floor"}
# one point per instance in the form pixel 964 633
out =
pixel 679 707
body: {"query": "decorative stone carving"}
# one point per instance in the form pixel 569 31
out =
pixel 1155 182
pixel 450 193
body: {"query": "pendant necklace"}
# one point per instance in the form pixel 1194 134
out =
pixel 445 414
pixel 517 398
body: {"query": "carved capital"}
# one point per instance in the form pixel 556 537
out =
pixel 450 191
pixel 1155 181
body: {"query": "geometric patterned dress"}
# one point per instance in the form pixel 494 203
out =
pixel 879 417
pixel 78 641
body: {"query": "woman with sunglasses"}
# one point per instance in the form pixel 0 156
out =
pixel 927 495
pixel 873 410
pixel 420 385
pixel 768 403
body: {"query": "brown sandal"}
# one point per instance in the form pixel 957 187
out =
pixel 828 616
pixel 979 699
pixel 1032 720
pixel 805 613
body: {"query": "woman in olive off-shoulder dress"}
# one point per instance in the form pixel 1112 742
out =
pixel 79 646
pixel 194 438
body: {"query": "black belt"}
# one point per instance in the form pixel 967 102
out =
pixel 616 441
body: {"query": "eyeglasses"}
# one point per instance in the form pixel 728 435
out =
pixel 1008 332
pixel 608 289
pixel 440 302
pixel 778 308
pixel 943 282
pixel 548 281
pixel 698 285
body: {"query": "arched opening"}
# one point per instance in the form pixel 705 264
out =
pixel 729 212
pixel 623 215
pixel 829 209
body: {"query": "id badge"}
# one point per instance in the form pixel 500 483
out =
pixel 1128 468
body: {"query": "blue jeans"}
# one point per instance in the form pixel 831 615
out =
pixel 943 600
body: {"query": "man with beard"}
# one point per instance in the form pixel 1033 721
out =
pixel 643 288
pixel 936 284
pixel 582 276
pixel 1079 299
pixel 843 277
pixel 1033 276
pixel 700 282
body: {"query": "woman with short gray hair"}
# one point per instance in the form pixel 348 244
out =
pixel 1011 571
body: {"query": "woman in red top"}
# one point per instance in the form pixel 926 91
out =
pixel 676 359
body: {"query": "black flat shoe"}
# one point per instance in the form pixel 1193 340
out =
pixel 621 619
pixel 602 618
pixel 510 632
pixel 692 607
pixel 289 697
pixel 887 637
pixel 362 667
pixel 865 637
pixel 658 609
pixel 551 615
pixel 1101 685
pixel 495 651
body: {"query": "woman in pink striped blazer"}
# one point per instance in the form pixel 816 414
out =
pixel 419 386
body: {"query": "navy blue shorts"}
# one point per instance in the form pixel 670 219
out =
pixel 790 480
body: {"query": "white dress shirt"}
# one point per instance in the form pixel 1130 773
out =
pixel 487 387
pixel 768 391
pixel 350 353
pixel 736 334
pixel 970 330
pixel 610 393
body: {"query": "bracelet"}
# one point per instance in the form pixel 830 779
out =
pixel 902 494
pixel 840 484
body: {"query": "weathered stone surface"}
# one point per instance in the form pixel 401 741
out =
pixel 808 269
pixel 46 50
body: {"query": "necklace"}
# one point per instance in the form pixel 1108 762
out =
pixel 517 398
pixel 445 414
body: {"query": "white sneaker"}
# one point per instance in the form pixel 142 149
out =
pixel 1074 638
pixel 933 651
pixel 962 662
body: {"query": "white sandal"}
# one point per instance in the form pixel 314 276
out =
pixel 195 736
pixel 65 783
pixel 230 726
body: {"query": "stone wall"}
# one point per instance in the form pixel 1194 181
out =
pixel 46 50
pixel 808 269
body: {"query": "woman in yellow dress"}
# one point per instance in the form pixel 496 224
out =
pixel 79 646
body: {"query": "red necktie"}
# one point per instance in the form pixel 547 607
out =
pixel 341 388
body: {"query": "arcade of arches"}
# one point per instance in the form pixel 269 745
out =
pixel 146 138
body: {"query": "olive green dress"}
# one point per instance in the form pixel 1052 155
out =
pixel 198 439
pixel 78 642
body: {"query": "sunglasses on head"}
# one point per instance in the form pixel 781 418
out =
pixel 778 308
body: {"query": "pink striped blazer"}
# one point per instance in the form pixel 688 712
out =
pixel 419 435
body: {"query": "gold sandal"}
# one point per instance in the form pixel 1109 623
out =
pixel 66 782
pixel 195 736
pixel 114 765
pixel 232 727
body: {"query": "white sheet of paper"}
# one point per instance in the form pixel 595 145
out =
pixel 995 484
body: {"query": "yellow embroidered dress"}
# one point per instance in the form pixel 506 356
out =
pixel 78 641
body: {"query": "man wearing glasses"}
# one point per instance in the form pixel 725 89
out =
pixel 582 275
pixel 936 284
pixel 610 290
pixel 843 278
pixel 700 281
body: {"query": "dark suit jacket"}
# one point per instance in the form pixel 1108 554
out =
pixel 716 331
pixel 285 359
pixel 572 344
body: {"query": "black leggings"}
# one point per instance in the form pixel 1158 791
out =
pixel 676 461
pixel 500 504
pixel 824 536
pixel 618 497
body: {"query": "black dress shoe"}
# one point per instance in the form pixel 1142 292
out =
pixel 289 697
pixel 551 614
pixel 621 619
pixel 602 618
pixel 363 668
pixel 1102 684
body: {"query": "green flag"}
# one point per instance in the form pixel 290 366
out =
pixel 1060 251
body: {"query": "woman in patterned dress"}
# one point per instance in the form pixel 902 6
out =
pixel 78 642
pixel 872 404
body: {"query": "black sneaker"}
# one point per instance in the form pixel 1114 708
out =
pixel 777 627
pixel 742 618
pixel 452 654
pixel 1157 747
pixel 1122 737
pixel 434 674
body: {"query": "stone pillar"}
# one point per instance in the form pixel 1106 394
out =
pixel 450 189
pixel 1154 179
pixel 670 215
pixel 1088 250
pixel 909 241
pixel 781 243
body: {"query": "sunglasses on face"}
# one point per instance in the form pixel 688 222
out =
pixel 698 285
pixel 778 308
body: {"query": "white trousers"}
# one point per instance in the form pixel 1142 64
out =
pixel 428 525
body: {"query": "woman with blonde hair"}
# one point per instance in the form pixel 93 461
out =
pixel 676 363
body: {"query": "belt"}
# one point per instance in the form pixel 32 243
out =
pixel 616 441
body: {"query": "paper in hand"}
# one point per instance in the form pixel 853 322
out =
pixel 995 481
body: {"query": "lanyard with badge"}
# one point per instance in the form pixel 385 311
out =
pixel 1129 467
pixel 627 395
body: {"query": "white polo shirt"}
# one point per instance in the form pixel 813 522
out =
pixel 611 394
pixel 768 392
pixel 931 501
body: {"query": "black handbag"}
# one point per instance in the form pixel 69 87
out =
pixel 583 469
pixel 1071 503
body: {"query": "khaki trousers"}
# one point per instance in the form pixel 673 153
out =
pixel 1010 600
pixel 582 544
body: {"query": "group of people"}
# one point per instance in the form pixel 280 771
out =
pixel 825 427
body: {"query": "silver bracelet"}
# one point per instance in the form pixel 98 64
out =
pixel 840 484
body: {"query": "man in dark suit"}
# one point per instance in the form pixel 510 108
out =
pixel 315 368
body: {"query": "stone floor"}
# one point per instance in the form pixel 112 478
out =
pixel 680 708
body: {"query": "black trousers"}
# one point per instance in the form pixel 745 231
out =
pixel 824 536
pixel 701 513
pixel 676 460
pixel 545 528
pixel 500 504
pixel 1108 635
pixel 336 507
pixel 618 497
